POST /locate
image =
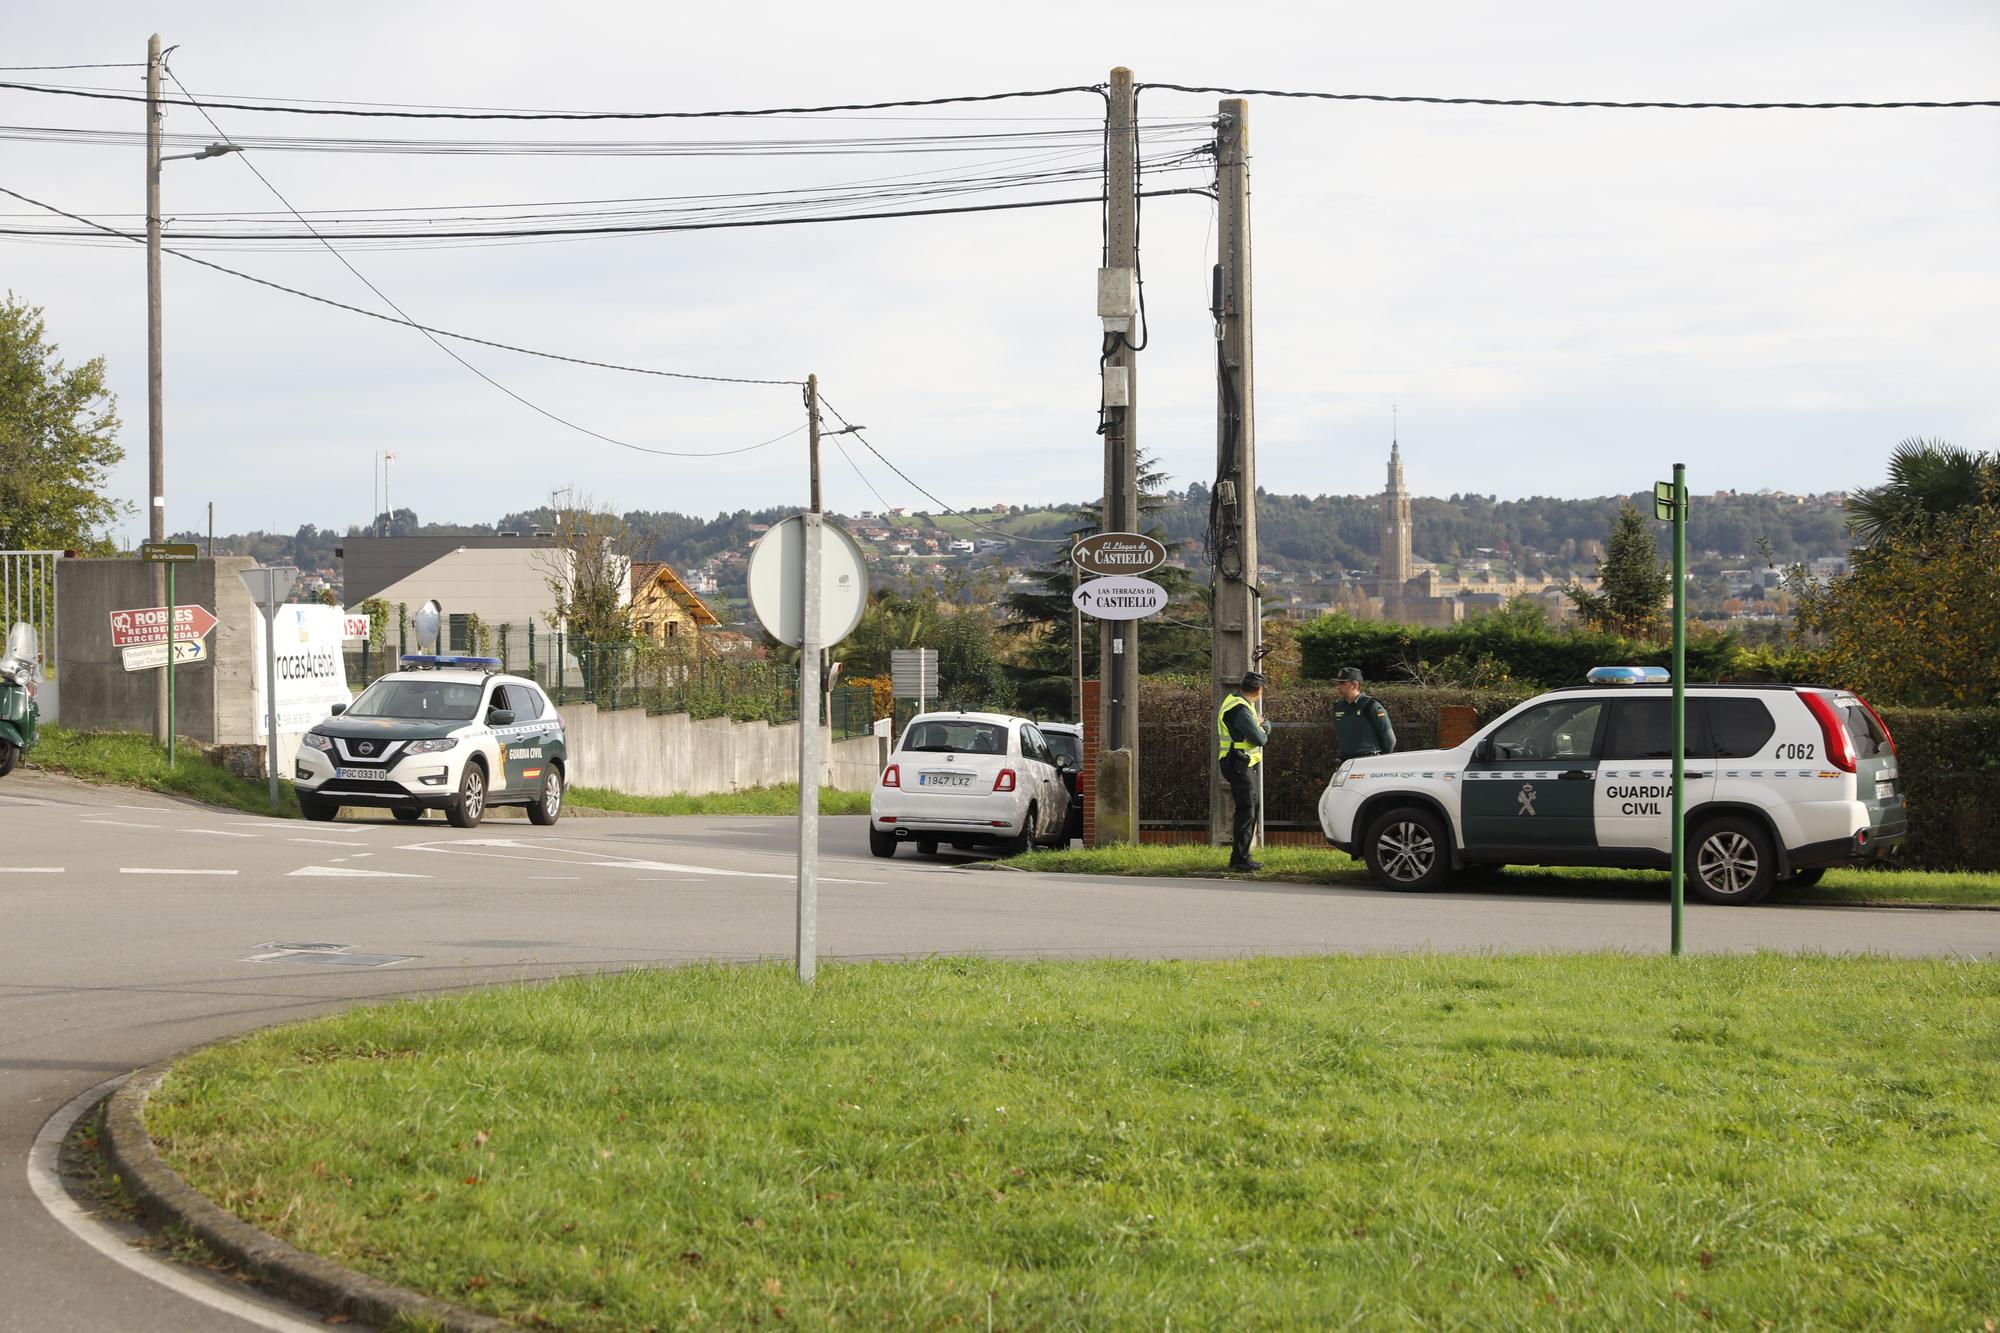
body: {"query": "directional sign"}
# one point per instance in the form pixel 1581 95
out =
pixel 169 553
pixel 151 656
pixel 1121 598
pixel 1118 553
pixel 148 624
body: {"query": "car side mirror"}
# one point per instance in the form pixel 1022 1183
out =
pixel 338 709
pixel 1482 753
pixel 499 717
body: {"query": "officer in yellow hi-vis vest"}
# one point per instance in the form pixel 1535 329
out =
pixel 1240 736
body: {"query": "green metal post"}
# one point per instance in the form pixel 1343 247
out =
pixel 1680 694
pixel 171 727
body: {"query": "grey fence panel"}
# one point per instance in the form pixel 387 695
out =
pixel 28 596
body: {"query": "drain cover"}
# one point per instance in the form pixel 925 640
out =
pixel 334 955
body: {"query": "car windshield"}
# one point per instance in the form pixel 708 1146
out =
pixel 1065 745
pixel 955 736
pixel 420 700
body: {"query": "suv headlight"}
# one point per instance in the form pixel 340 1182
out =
pixel 431 747
pixel 1340 774
pixel 317 741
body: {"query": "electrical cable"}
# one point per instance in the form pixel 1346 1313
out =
pixel 1568 104
pixel 295 110
pixel 116 64
pixel 433 338
pixel 985 527
pixel 390 319
pixel 841 445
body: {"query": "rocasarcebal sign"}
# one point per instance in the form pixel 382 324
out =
pixel 1118 553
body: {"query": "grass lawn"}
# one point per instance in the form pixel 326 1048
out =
pixel 1588 1141
pixel 132 759
pixel 782 799
pixel 1323 865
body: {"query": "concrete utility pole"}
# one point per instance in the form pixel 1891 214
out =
pixel 1238 604
pixel 1118 640
pixel 809 649
pixel 156 429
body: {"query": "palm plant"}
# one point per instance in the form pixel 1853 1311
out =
pixel 1927 478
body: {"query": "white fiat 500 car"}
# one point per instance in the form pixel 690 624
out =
pixel 970 780
pixel 1780 782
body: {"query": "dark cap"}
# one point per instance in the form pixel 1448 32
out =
pixel 1350 673
pixel 1252 681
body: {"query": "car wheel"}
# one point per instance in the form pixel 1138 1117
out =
pixel 1731 862
pixel 881 844
pixel 1408 848
pixel 313 808
pixel 927 846
pixel 547 808
pixel 469 806
pixel 1024 841
pixel 10 755
pixel 406 816
pixel 1806 878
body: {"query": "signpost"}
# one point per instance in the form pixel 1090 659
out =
pixel 1120 598
pixel 913 674
pixel 809 592
pixel 1670 502
pixel 1118 553
pixel 268 586
pixel 152 656
pixel 169 554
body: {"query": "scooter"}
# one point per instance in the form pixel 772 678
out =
pixel 20 676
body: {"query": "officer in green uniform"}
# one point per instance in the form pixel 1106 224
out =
pixel 1240 737
pixel 1360 722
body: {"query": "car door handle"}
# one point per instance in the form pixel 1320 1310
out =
pixel 1575 775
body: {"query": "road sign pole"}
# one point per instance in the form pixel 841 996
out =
pixel 1679 866
pixel 809 649
pixel 173 719
pixel 271 681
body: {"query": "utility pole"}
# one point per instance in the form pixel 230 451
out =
pixel 156 430
pixel 1075 636
pixel 1237 627
pixel 1118 640
pixel 809 647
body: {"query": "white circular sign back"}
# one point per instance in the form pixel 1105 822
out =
pixel 777 582
pixel 1121 597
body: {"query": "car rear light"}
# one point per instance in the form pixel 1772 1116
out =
pixel 892 776
pixel 1887 735
pixel 1839 748
pixel 1005 782
pixel 888 819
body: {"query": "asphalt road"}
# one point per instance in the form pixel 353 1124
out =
pixel 137 926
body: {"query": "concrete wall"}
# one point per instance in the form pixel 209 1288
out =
pixel 631 751
pixel 214 700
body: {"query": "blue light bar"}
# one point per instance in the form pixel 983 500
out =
pixel 1629 675
pixel 418 659
pixel 434 660
pixel 491 663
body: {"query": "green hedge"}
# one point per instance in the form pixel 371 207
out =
pixel 1491 652
pixel 1948 760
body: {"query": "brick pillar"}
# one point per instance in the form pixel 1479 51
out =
pixel 1086 783
pixel 1456 723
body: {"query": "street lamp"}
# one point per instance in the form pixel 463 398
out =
pixel 156 453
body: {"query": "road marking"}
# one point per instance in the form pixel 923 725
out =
pixel 150 809
pixel 168 870
pixel 327 842
pixel 45 1178
pixel 567 879
pixel 347 872
pixel 458 846
pixel 31 870
pixel 121 823
pixel 215 832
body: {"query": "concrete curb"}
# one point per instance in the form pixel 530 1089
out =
pixel 316 1283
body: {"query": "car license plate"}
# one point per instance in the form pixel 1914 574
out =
pixel 944 779
pixel 1884 789
pixel 358 774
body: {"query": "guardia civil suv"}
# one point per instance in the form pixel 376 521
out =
pixel 1781 781
pixel 448 733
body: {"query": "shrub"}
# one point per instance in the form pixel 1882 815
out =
pixel 1493 652
pixel 1948 764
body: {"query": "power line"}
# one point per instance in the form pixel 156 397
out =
pixel 1552 102
pixel 295 110
pixel 391 319
pixel 116 64
pixel 855 431
pixel 433 338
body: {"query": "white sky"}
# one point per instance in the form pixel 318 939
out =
pixel 1562 302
